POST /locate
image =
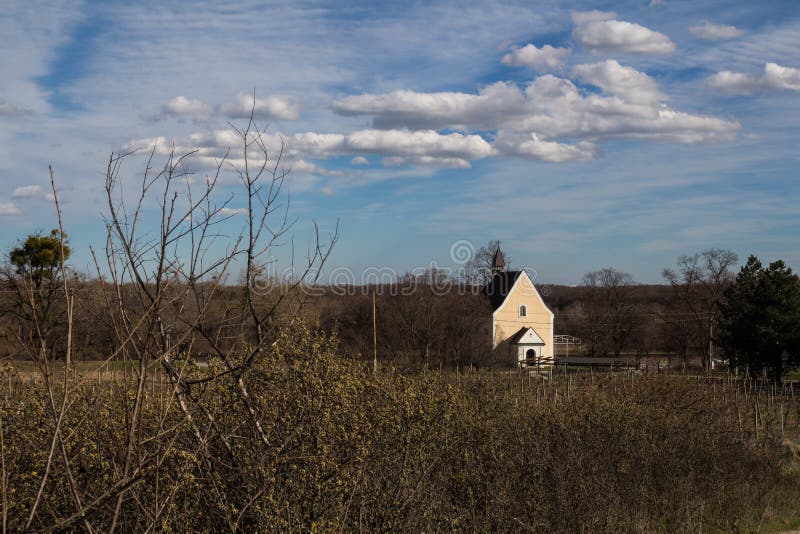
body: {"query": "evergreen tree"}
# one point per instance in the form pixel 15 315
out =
pixel 38 258
pixel 760 320
pixel 33 274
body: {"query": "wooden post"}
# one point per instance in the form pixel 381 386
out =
pixel 374 335
pixel 711 344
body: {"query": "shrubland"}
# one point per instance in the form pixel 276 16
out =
pixel 341 448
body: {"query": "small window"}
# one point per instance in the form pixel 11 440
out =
pixel 523 311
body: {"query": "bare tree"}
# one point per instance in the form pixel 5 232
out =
pixel 477 271
pixel 698 286
pixel 33 277
pixel 609 313
pixel 160 277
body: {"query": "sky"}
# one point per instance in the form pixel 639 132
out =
pixel 580 134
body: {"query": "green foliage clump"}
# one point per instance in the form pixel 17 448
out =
pixel 761 318
pixel 39 256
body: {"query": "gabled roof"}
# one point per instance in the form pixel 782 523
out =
pixel 535 339
pixel 500 286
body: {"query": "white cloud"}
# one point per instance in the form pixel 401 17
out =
pixel 715 32
pixel 415 110
pixel 536 58
pixel 625 82
pixel 550 120
pixel 316 144
pixel 271 107
pixel 734 82
pixel 419 147
pixel 418 143
pixel 532 147
pixel 779 77
pixel 775 77
pixel 7 208
pixel 552 108
pixel 230 212
pixel 301 165
pixel 598 32
pixel 395 142
pixel 160 144
pixel 32 192
pixel 182 106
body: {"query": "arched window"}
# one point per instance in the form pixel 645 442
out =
pixel 523 311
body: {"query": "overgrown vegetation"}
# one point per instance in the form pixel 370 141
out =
pixel 345 449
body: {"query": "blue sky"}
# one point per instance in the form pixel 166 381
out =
pixel 582 135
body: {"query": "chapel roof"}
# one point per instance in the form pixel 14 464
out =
pixel 500 286
pixel 498 261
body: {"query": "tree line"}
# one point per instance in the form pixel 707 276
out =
pixel 704 314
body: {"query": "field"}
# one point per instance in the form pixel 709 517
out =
pixel 323 443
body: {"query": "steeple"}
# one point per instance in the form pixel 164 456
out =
pixel 498 262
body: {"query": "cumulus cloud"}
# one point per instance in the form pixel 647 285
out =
pixel 271 107
pixel 627 83
pixel 536 58
pixel 549 119
pixel 550 109
pixel 316 144
pixel 180 106
pixel 532 147
pixel 414 110
pixel 598 31
pixel 735 82
pixel 391 142
pixel 32 192
pixel 419 143
pixel 7 208
pixel 779 77
pixel 418 147
pixel 715 32
pixel 775 77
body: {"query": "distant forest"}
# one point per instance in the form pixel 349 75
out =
pixel 430 321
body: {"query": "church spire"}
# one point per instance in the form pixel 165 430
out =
pixel 498 262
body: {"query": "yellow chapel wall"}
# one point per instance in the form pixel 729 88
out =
pixel 507 321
